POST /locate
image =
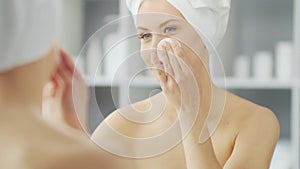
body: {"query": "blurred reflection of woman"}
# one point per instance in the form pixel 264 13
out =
pixel 28 60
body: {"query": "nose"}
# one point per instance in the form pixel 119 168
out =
pixel 156 38
pixel 150 47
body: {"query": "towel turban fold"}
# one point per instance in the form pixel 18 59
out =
pixel 208 17
pixel 27 29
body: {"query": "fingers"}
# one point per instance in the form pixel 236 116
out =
pixel 55 87
pixel 164 57
pixel 65 76
pixel 69 65
pixel 158 66
pixel 174 58
pixel 67 68
pixel 67 61
pixel 49 90
pixel 61 77
pixel 175 63
pixel 156 63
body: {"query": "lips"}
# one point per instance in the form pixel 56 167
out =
pixel 162 65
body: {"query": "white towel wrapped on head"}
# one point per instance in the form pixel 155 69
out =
pixel 208 17
pixel 27 29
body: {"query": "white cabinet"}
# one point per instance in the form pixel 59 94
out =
pixel 254 26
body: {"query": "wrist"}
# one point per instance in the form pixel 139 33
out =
pixel 192 126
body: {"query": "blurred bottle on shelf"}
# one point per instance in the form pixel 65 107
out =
pixel 283 56
pixel 263 65
pixel 242 67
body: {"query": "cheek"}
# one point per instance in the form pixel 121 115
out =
pixel 186 37
pixel 193 41
pixel 146 56
pixel 146 51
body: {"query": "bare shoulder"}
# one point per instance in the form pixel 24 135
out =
pixel 138 107
pixel 54 149
pixel 264 126
pixel 123 121
pixel 250 114
pixel 87 156
pixel 75 150
pixel 265 117
pixel 257 134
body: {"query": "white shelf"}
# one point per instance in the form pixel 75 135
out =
pixel 100 82
pixel 137 82
pixel 145 82
pixel 234 83
pixel 231 83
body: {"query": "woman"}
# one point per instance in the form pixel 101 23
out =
pixel 28 60
pixel 246 133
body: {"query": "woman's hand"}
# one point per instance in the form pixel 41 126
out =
pixel 65 97
pixel 179 72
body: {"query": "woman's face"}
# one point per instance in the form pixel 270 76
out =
pixel 157 20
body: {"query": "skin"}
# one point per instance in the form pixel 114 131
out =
pixel 27 140
pixel 245 136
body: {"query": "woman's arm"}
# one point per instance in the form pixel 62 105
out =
pixel 256 141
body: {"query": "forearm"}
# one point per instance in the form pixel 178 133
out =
pixel 199 155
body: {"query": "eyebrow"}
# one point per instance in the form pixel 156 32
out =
pixel 161 25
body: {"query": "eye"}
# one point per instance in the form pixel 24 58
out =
pixel 169 29
pixel 145 36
